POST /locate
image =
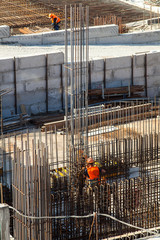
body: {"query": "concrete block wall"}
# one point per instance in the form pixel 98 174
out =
pixel 96 34
pixel 118 72
pixel 153 74
pixel 30 76
pixel 4 222
pixel 105 34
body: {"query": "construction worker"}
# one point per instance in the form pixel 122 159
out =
pixel 92 173
pixel 55 21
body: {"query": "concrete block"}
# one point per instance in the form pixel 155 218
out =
pixel 30 74
pixel 109 75
pixel 4 31
pixel 8 86
pixel 153 92
pixel 122 74
pixel 6 65
pixel 55 58
pixel 30 98
pixel 1 79
pixel 7 77
pixel 146 37
pixel 35 85
pixel 96 85
pixel 153 58
pixel 153 81
pixel 37 108
pixel 54 100
pixel 53 37
pixel 97 65
pixel 138 60
pixel 54 71
pixel 103 30
pixel 97 77
pixel 21 88
pixel 126 82
pixel 4 221
pixel 139 81
pixel 8 112
pixel 31 62
pixel 111 84
pixel 54 83
pixel 120 39
pixel 153 70
pixel 26 39
pixel 8 100
pixel 119 62
pixel 138 72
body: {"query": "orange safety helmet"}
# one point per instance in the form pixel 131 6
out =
pixel 90 160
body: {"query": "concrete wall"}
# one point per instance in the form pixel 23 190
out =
pixel 118 72
pixel 106 34
pixel 4 222
pixel 30 76
pixel 58 37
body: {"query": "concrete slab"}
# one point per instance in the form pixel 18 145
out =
pixel 100 51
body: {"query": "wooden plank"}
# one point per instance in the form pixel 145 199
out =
pixel 23 31
pixel 118 90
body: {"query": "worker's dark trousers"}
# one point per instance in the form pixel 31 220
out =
pixel 56 26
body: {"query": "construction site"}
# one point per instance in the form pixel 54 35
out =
pixel 76 94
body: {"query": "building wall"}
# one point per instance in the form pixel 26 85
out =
pixel 28 75
pixel 104 34
pixel 96 34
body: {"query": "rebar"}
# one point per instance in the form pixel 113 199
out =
pixel 123 138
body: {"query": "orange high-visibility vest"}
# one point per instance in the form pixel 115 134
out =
pixel 93 172
pixel 53 17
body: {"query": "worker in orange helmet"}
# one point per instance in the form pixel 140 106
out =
pixel 55 21
pixel 92 173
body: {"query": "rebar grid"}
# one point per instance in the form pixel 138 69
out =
pixel 29 13
pixel 76 84
pixel 123 137
pixel 130 191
